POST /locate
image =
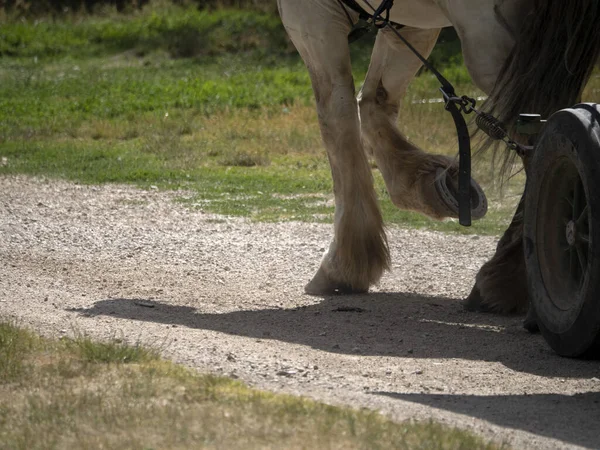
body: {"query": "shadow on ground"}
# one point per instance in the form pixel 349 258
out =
pixel 413 326
pixel 384 324
pixel 569 418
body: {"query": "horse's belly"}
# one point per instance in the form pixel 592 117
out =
pixel 413 13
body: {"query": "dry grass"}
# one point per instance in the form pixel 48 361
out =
pixel 80 394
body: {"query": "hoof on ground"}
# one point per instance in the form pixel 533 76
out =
pixel 530 323
pixel 322 284
pixel 474 302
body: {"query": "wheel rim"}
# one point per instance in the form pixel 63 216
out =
pixel 564 234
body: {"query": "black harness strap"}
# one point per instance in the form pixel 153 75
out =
pixel 464 163
pixel 367 23
pixel 464 140
pixel 384 7
pixel 362 14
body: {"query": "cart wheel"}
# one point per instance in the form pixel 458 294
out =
pixel 562 231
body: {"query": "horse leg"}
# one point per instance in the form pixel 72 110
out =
pixel 409 172
pixel 501 283
pixel 358 254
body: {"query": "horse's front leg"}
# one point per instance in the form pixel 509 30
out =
pixel 358 254
pixel 409 172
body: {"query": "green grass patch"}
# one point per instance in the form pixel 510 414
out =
pixel 183 32
pixel 113 351
pixel 290 187
pixel 256 164
pixel 15 346
pixel 85 394
pixel 40 100
pixel 118 98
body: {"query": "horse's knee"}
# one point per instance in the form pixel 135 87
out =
pixel 377 101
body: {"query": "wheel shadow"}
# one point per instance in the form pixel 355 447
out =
pixel 377 324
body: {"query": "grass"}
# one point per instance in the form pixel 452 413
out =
pixel 76 393
pixel 14 343
pixel 215 102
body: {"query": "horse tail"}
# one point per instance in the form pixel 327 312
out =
pixel 551 62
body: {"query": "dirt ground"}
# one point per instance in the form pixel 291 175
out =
pixel 226 296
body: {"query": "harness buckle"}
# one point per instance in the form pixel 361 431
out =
pixel 465 104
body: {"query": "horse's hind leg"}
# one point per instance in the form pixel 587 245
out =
pixel 358 254
pixel 501 283
pixel 409 172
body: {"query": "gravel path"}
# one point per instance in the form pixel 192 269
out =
pixel 225 295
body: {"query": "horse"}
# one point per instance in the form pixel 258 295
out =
pixel 527 55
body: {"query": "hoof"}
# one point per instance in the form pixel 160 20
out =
pixel 446 187
pixel 475 303
pixel 322 284
pixel 530 322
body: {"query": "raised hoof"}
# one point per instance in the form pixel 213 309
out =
pixel 446 187
pixel 530 322
pixel 322 284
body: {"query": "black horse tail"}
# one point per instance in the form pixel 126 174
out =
pixel 551 62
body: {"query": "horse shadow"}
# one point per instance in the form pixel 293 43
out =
pixel 378 324
pixel 405 325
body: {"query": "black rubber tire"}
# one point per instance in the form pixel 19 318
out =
pixel 562 231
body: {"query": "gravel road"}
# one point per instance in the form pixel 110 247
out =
pixel 224 295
